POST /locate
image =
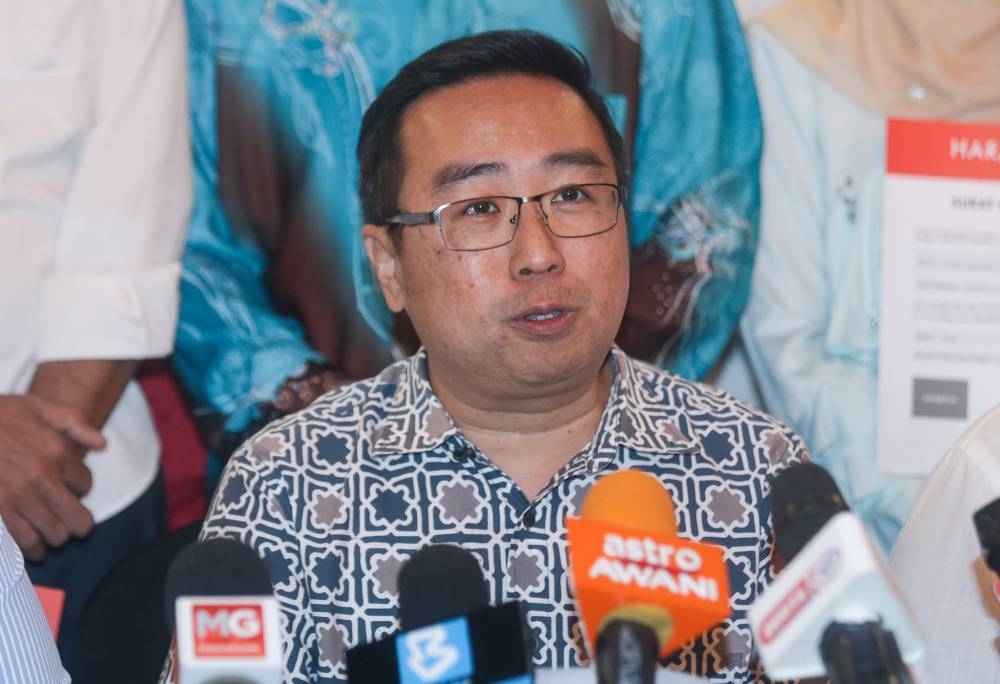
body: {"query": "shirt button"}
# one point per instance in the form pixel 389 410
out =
pixel 528 518
pixel 464 453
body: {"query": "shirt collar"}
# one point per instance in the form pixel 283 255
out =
pixel 636 417
pixel 642 412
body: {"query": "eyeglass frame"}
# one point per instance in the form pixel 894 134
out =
pixel 413 220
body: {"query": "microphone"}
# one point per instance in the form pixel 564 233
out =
pixel 218 594
pixel 987 521
pixel 641 591
pixel 439 582
pixel 834 610
pixel 451 633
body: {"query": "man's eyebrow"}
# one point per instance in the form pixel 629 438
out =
pixel 456 173
pixel 581 157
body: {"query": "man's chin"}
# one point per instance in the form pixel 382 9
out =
pixel 559 370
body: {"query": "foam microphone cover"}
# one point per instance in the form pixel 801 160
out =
pixel 439 582
pixel 803 498
pixel 441 588
pixel 215 567
pixel 628 565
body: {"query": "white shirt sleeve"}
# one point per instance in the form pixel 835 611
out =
pixel 27 651
pixel 112 289
pixel 938 563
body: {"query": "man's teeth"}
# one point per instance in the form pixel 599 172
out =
pixel 543 316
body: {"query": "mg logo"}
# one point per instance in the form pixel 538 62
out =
pixel 437 653
pixel 228 630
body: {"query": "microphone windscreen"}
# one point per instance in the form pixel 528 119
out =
pixel 631 498
pixel 803 498
pixel 215 567
pixel 628 564
pixel 987 520
pixel 438 582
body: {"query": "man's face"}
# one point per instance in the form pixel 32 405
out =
pixel 540 312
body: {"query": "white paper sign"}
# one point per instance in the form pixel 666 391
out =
pixel 939 336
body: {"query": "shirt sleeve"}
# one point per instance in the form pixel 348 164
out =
pixel 112 288
pixel 938 565
pixel 233 349
pixel 27 650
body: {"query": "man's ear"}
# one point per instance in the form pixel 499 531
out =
pixel 385 264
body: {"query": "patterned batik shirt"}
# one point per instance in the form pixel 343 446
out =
pixel 337 497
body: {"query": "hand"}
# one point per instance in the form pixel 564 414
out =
pixel 42 474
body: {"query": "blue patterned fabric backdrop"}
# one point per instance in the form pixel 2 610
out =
pixel 274 274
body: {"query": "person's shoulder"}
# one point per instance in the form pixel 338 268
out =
pixel 709 409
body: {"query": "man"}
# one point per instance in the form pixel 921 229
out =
pixel 491 434
pixel 94 199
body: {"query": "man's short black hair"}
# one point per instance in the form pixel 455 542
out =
pixel 484 55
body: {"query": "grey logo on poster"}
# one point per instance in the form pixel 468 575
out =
pixel 940 398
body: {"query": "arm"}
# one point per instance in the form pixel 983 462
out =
pixel 233 349
pixel 44 437
pixel 110 291
pixel 92 386
pixel 27 650
pixel 938 562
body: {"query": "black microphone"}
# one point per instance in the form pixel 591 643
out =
pixel 218 596
pixel 987 521
pixel 836 592
pixel 439 582
pixel 451 633
pixel 803 498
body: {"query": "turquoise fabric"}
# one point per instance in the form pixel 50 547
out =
pixel 695 192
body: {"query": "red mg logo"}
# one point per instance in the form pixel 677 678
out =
pixel 228 631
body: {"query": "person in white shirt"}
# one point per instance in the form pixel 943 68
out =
pixel 95 192
pixel 27 652
pixel 938 563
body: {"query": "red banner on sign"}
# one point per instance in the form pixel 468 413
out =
pixel 943 149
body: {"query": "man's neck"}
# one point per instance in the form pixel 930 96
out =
pixel 531 437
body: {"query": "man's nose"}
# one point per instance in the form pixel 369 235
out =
pixel 536 249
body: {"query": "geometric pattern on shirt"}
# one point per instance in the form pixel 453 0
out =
pixel 338 496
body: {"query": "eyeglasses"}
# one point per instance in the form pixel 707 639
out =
pixel 570 211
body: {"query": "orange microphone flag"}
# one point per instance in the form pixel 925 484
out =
pixel 628 563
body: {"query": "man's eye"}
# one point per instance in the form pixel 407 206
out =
pixel 479 208
pixel 574 194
